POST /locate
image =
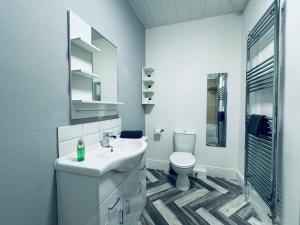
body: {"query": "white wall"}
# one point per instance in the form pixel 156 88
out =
pixel 182 56
pixel 291 111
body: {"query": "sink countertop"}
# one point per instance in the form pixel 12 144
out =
pixel 99 160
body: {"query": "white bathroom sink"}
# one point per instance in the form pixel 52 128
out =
pixel 122 157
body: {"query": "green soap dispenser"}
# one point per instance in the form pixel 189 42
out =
pixel 80 150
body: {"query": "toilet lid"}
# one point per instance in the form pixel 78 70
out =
pixel 182 159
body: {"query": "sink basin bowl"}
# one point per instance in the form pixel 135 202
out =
pixel 122 156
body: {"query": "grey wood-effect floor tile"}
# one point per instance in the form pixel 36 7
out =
pixel 193 220
pixel 158 189
pixel 220 201
pixel 166 213
pixel 226 184
pixel 223 218
pixel 208 217
pixel 194 215
pixel 188 198
pixel 247 212
pixel 155 214
pixel 168 193
pixel 198 203
pixel 181 215
pixel 233 206
pixel 216 186
pixel 177 196
pixel 147 218
pixel 150 176
pixel 254 221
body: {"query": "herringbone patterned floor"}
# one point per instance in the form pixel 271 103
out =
pixel 215 201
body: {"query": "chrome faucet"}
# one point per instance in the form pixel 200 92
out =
pixel 106 136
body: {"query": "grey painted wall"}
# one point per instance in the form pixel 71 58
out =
pixel 34 97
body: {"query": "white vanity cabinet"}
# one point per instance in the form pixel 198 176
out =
pixel 112 199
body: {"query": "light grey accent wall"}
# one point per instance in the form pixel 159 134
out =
pixel 34 94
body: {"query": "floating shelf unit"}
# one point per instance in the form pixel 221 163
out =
pixel 148 81
pixel 85 58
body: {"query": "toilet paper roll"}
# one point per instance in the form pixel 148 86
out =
pixel 158 130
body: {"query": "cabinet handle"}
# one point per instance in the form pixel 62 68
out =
pixel 141 187
pixel 127 206
pixel 121 215
pixel 114 205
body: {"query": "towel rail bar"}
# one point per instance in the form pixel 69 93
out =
pixel 262 19
pixel 260 64
pixel 260 71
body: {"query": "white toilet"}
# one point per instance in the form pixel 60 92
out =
pixel 182 160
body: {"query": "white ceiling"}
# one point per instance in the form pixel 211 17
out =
pixel 154 13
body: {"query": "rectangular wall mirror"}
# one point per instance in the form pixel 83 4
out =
pixel 216 109
pixel 93 71
pixel 105 64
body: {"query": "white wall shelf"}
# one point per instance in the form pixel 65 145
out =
pixel 81 72
pixel 148 71
pixel 149 103
pixel 148 80
pixel 148 91
pixel 85 45
pixel 97 102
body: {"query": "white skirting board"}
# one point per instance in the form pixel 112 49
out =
pixel 157 164
pixel 226 173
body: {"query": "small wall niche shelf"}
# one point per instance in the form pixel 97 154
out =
pixel 148 91
pixel 85 45
pixel 81 72
pixel 148 80
pixel 148 71
pixel 149 103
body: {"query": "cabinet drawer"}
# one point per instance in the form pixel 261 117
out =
pixel 108 183
pixel 111 210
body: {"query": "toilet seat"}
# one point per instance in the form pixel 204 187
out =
pixel 182 159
